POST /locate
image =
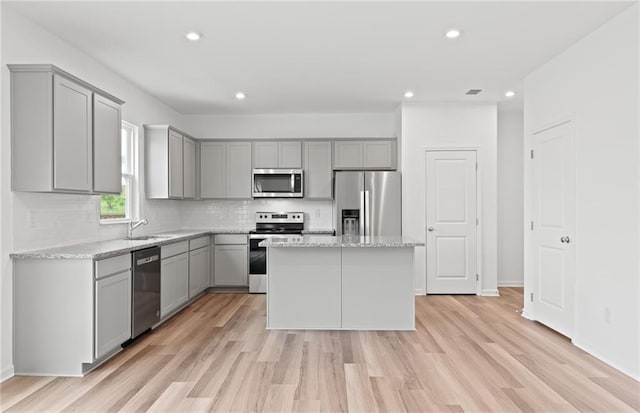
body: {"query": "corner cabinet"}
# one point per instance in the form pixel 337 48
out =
pixel 59 123
pixel 225 169
pixel 170 163
pixel 374 154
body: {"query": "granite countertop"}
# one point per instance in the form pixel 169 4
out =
pixel 104 249
pixel 342 242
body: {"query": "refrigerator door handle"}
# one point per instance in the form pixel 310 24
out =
pixel 367 216
pixel 361 219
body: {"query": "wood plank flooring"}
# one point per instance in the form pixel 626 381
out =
pixel 468 354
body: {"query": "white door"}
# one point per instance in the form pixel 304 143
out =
pixel 554 207
pixel 451 222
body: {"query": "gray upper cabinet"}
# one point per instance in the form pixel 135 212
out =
pixel 318 174
pixel 107 122
pixel 65 133
pixel 189 166
pixel 277 154
pixel 238 170
pixel 170 163
pixel 225 170
pixel 365 154
pixel 212 170
pixel 176 163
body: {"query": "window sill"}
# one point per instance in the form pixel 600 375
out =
pixel 115 221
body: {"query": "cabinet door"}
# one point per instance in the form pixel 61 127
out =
pixel 112 313
pixel 181 283
pixel 168 269
pixel 265 155
pixel 174 283
pixel 231 265
pixel 72 136
pixel 348 154
pixel 212 170
pixel 176 166
pixel 318 174
pixel 290 154
pixel 107 170
pixel 198 271
pixel 189 160
pixel 238 169
pixel 378 154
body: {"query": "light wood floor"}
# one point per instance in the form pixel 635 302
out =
pixel 468 354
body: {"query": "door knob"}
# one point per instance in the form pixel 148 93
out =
pixel 565 239
pixel 430 229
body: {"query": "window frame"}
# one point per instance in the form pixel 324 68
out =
pixel 132 195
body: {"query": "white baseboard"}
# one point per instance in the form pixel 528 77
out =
pixel 515 283
pixel 420 291
pixel 526 315
pixel 7 373
pixel 490 293
pixel 633 375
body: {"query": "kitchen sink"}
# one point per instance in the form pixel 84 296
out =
pixel 147 237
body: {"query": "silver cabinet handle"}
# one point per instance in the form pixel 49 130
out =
pixel 430 229
pixel 565 239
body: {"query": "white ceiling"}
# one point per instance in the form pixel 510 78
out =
pixel 322 56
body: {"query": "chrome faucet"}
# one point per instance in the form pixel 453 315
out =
pixel 135 224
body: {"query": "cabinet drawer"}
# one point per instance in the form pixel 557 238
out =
pixel 230 239
pixel 196 243
pixel 174 249
pixel 112 265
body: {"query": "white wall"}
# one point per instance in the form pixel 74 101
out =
pixel 42 220
pixel 596 82
pixel 510 198
pixel 450 125
pixel 294 125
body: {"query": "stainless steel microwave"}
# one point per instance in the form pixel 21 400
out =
pixel 277 183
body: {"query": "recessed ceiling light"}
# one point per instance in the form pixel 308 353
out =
pixel 240 95
pixel 194 36
pixel 453 33
pixel 509 93
pixel 408 94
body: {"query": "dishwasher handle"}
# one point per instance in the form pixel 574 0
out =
pixel 147 260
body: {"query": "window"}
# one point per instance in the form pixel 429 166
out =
pixel 120 208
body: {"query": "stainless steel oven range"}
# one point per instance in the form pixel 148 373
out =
pixel 269 225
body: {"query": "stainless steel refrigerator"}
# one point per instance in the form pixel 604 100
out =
pixel 368 203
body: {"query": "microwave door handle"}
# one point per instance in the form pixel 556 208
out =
pixel 293 183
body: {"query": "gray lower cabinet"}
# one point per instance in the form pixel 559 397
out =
pixel 318 173
pixel 113 312
pixel 199 270
pixel 225 170
pixel 65 133
pixel 231 261
pixel 376 154
pixel 174 282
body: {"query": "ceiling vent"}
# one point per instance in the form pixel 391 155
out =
pixel 473 92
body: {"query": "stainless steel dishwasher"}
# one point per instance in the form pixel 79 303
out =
pixel 146 290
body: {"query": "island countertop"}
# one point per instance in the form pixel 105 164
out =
pixel 311 241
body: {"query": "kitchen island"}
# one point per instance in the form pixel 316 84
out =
pixel 340 283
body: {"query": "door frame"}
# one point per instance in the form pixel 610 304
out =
pixel 530 280
pixel 479 231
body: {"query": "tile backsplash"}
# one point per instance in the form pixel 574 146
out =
pixel 47 220
pixel 227 213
